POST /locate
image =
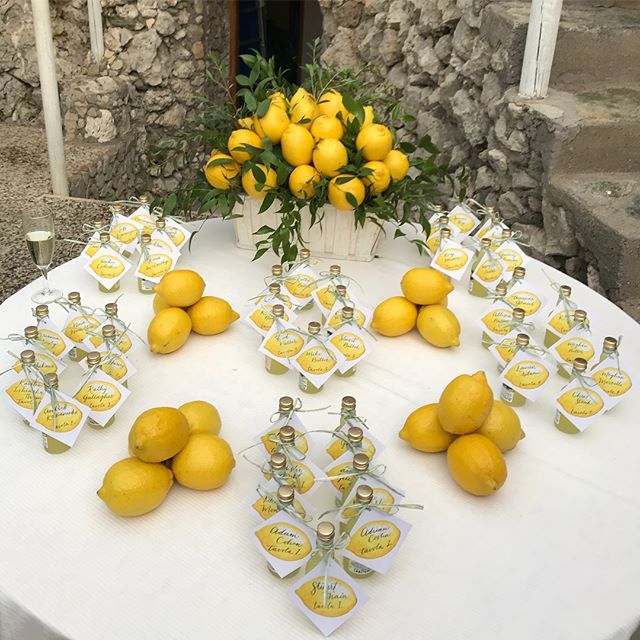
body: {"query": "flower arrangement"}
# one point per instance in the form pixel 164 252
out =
pixel 332 140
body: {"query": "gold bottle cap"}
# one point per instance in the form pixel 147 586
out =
pixel 519 272
pixel 278 310
pixel 161 223
pixel 274 288
pixel 52 380
pixel 609 344
pixel 117 208
pixel 445 233
pixel 93 358
pixel 438 207
pixel 565 290
pixel 342 290
pixel 111 308
pixel 105 236
pixel 355 435
pixel 490 210
pixel 347 313
pixel 518 314
pixel 485 243
pixel 31 332
pixel 98 223
pixel 501 289
pixel 287 434
pixel 28 356
pixel 443 220
pixel 335 270
pixel 285 404
pixel 278 461
pixel 580 315
pixel 286 494
pixel 314 328
pixel 145 238
pixel 276 270
pixel 74 297
pixel 522 340
pixel 579 365
pixel 506 233
pixel 364 494
pixel 360 462
pixel 42 311
pixel 108 331
pixel 305 254
pixel 325 532
pixel 348 403
pixel 144 199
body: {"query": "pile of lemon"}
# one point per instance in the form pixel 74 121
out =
pixel 181 308
pixel 310 135
pixel 167 443
pixel 473 428
pixel 424 305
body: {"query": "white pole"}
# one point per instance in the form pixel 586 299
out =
pixel 544 21
pixel 94 9
pixel 50 97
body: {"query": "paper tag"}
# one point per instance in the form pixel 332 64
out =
pixel 362 315
pixel 143 217
pixel 353 343
pixel 300 283
pixel 53 339
pixel 126 231
pixel 107 267
pixel 102 395
pixel 116 366
pixel 261 317
pixel 490 229
pixel 463 220
pixel 178 233
pixel 344 596
pixel 318 361
pixel 302 440
pixel 577 343
pixel 371 446
pixel 527 297
pixel 81 329
pixel 45 361
pixel 283 342
pixel 489 271
pixel 325 296
pixel 124 341
pixel 155 263
pixel 70 416
pixel 527 374
pixel 452 259
pixel 504 351
pixel 512 255
pixel 94 245
pixel 264 507
pixel 383 497
pixel 160 240
pixel 580 405
pixel 495 320
pixel 560 320
pixel 344 464
pixel 285 542
pixel 19 395
pixel 615 379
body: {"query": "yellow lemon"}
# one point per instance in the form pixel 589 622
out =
pixel 425 286
pixel 422 430
pixel 279 100
pixel 374 141
pixel 257 127
pixel 205 462
pixel 158 434
pixel 380 178
pixel 275 121
pixel 181 287
pixel 338 191
pixel 324 127
pixel 394 317
pixel 330 104
pixel 237 141
pixel 476 464
pixel 257 185
pixel 132 487
pixel 302 180
pixel 329 157
pixel 502 426
pixel 297 145
pixel 303 108
pixel 211 315
pixel 368 116
pixel 439 326
pixel 168 330
pixel 221 176
pixel 159 303
pixel 202 417
pixel 465 403
pixel 243 123
pixel 397 163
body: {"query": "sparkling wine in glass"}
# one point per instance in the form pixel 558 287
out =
pixel 40 235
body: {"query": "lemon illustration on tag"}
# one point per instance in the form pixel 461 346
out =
pixel 266 506
pixel 44 364
pixel 162 244
pixel 92 248
pixel 581 403
pixel 489 271
pixel 124 342
pixel 375 539
pixel 156 265
pixel 562 322
pixel 24 396
pixel 284 344
pixel 79 328
pixel 341 598
pixel 144 219
pixel 300 285
pixel 300 441
pixel 107 267
pixel 349 344
pixel 338 447
pixel 613 381
pixel 327 296
pixel 124 232
pixel 98 395
pixel 284 541
pixel 525 300
pixel 506 349
pixel 176 235
pixel 67 416
pixel 497 321
pixel 452 259
pixel 262 317
pixel 527 374
pixel 463 221
pixel 316 360
pixel 301 476
pixel 336 318
pixel 116 367
pixel 341 484
pixel 51 341
pixel 511 257
pixel 576 347
pixel 433 241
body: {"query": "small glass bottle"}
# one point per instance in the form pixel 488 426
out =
pixel 508 395
pixel 105 240
pixel 561 422
pixel 273 366
pixel 304 384
pixel 284 498
pixel 77 353
pixel 346 315
pixel 517 317
pixel 305 256
pixel 94 358
pixel 579 317
pixel 28 362
pixel 328 296
pixel 347 406
pixel 518 276
pixel 501 292
pixel 609 347
pixel 42 312
pixel 364 495
pixel 550 338
pixel 325 535
pixel 31 333
pixel 111 310
pixel 51 445
pixel 276 272
pixel 145 286
pixel 475 287
pixel 361 465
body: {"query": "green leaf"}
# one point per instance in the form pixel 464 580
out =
pixel 399 234
pixel 351 199
pixel 407 147
pixel 250 101
pixel 263 107
pixel 259 253
pixel 268 201
pixel 170 204
pixel 243 81
pixel 263 230
pixel 343 180
pixel 353 107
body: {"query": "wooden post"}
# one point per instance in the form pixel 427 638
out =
pixel 544 21
pixel 94 9
pixel 50 98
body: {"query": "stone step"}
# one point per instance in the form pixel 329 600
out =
pixel 604 211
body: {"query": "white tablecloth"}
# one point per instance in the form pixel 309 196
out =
pixel 555 555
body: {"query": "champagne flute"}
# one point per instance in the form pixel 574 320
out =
pixel 39 232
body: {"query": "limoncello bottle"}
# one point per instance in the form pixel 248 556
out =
pixel 475 287
pixel 346 316
pixel 305 256
pixel 304 384
pixel 347 406
pixel 361 465
pixel 518 276
pixel 364 495
pixel 507 394
pixel 517 318
pixel 579 318
pixel 145 286
pixel 51 445
pixel 325 535
pixel 501 292
pixel 609 347
pixel 105 240
pixel 42 312
pixel 28 362
pixel 284 498
pixel 94 358
pixel 278 468
pixel 76 354
pixel 550 338
pixel 561 422
pixel 273 366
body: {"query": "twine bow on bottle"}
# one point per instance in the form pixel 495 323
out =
pixel 328 553
pixel 349 418
pixel 297 408
pixel 376 472
pixel 287 508
pixel 266 470
pixel 359 507
pixel 31 374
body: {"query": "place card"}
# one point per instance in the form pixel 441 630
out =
pixel 581 405
pixel 353 344
pixel 283 342
pixel 265 506
pixel 300 283
pixel 261 317
pixel 577 343
pixel 371 446
pixel 452 259
pixel 490 271
pixel 125 232
pixel 383 497
pixel 52 339
pixel 22 395
pixel 615 378
pixel 527 374
pixel 527 296
pixel 512 255
pixel 154 263
pixel 462 221
pixel 61 419
pixel 107 267
pixel 318 360
pixel 82 329
pixel 362 315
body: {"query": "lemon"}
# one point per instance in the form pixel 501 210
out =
pixel 397 163
pixel 257 127
pixel 439 326
pixel 422 430
pixel 303 108
pixel 211 315
pixel 425 286
pixel 476 464
pixel 158 434
pixel 279 100
pixel 502 426
pixel 380 179
pixel 168 330
pixel 368 116
pixel 205 462
pixel 132 487
pixel 221 176
pixel 275 121
pixel 181 287
pixel 465 403
pixel 330 104
pixel 237 141
pixel 159 303
pixel 324 127
pixel 297 145
pixel 394 317
pixel 338 192
pixel 374 141
pixel 202 417
pixel 302 180
pixel 329 157
pixel 245 123
pixel 253 184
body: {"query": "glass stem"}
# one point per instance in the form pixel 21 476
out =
pixel 45 274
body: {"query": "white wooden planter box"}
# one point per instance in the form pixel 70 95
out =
pixel 335 237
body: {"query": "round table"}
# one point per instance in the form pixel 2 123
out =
pixel 555 554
